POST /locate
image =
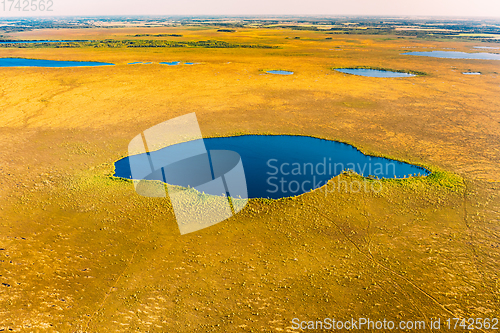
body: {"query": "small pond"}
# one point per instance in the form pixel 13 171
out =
pixel 487 47
pixel 36 41
pixel 456 55
pixel 280 72
pixel 373 72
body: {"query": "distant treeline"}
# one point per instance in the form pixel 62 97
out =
pixel 112 43
pixel 450 31
pixel 157 35
pixel 33 24
pixel 31 41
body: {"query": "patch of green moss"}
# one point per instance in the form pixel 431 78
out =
pixel 448 180
pixel 113 43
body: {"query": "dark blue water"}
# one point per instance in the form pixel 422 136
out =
pixel 172 63
pixel 372 72
pixel 278 166
pixel 36 41
pixel 280 72
pixel 135 63
pixel 21 62
pixel 456 55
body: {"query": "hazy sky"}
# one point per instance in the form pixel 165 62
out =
pixel 488 8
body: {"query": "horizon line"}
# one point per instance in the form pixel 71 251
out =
pixel 255 16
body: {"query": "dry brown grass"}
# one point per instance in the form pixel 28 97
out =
pixel 83 252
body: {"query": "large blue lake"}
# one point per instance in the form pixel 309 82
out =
pixel 278 166
pixel 372 72
pixel 456 55
pixel 21 62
